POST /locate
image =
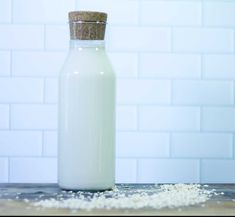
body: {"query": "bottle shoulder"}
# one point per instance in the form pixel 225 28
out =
pixel 87 62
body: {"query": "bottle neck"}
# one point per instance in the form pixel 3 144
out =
pixel 78 44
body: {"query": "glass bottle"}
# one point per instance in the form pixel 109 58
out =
pixel 86 108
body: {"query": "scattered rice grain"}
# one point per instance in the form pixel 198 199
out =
pixel 164 196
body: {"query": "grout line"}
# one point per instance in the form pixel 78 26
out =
pixel 200 124
pixel 34 23
pixel 201 119
pixel 139 13
pixel 131 51
pixel 134 77
pixel 27 129
pixel 124 25
pixel 11 64
pixel 233 91
pixel 172 92
pixel 9 118
pixel 76 5
pixel 202 66
pixel 172 40
pixel 138 65
pixel 9 177
pixel 137 170
pixel 135 131
pixel 200 170
pixel 234 40
pixel 42 147
pixel 170 145
pixel 175 105
pixel 173 0
pixel 163 51
pixel 136 158
pixel 44 37
pixel 202 13
pixel 130 131
pixel 233 147
pixel 44 93
pixel 35 103
pixel 11 12
pixel 137 118
pixel 32 157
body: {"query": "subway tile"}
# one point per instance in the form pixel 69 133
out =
pixel 143 91
pixel 170 65
pixel 171 13
pixel 169 118
pixel 203 40
pixel 5 63
pixel 139 144
pixel 57 37
pixel 41 11
pixel 124 64
pixel 168 171
pixel 21 90
pixel 4 116
pixel 51 90
pixel 37 63
pixel 203 92
pixel 217 171
pixel 3 170
pixel 119 12
pixel 126 170
pixel 138 39
pixel 219 13
pixel 20 143
pixel 219 66
pixel 42 170
pixel 5 11
pixel 134 42
pixel 21 37
pixel 126 118
pixel 218 119
pixel 50 144
pixel 34 117
pixel 202 145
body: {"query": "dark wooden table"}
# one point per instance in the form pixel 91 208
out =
pixel 13 196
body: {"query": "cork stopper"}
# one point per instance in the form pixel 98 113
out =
pixel 87 25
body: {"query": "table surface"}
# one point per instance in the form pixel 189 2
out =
pixel 12 201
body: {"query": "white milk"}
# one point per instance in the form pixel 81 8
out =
pixel 86 119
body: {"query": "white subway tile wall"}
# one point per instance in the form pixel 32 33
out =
pixel 168 171
pixel 4 168
pixel 37 63
pixel 36 117
pixel 33 170
pixel 174 13
pixel 203 40
pixel 21 37
pixel 170 66
pixel 21 90
pixel 5 63
pixel 50 144
pixel 17 143
pixel 175 67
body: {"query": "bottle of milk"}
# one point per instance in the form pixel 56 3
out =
pixel 86 108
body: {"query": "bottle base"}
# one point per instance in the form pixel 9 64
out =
pixel 87 188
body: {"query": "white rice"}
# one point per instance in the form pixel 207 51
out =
pixel 162 196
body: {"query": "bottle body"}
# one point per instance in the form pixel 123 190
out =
pixel 86 131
